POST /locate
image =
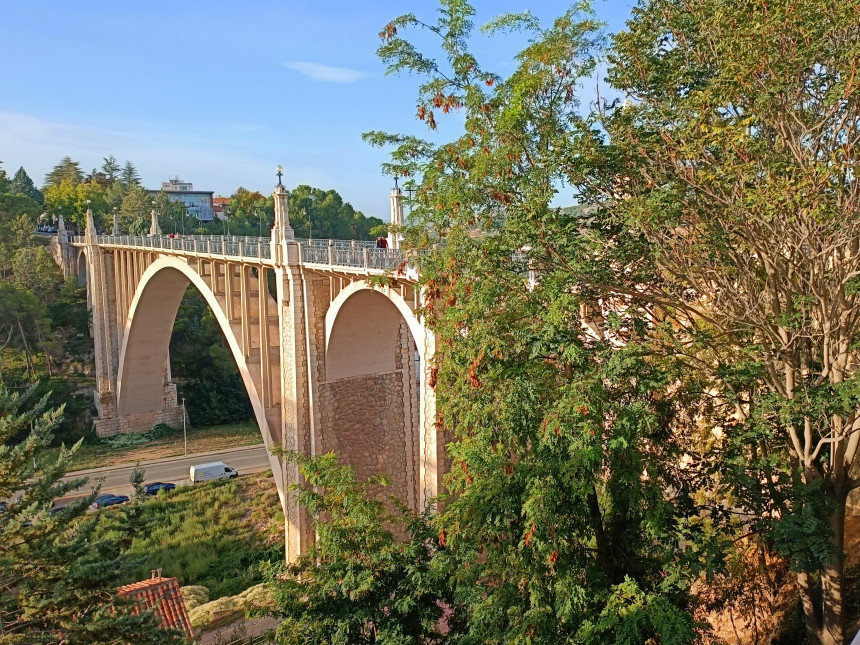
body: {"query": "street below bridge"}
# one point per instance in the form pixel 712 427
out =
pixel 247 460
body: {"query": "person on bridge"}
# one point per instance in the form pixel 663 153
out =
pixel 381 243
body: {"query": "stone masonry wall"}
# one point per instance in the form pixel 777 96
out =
pixel 363 422
pixel 138 422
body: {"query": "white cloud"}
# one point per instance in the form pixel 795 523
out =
pixel 325 73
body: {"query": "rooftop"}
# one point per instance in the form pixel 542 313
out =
pixel 163 596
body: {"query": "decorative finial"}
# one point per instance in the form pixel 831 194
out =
pixel 279 170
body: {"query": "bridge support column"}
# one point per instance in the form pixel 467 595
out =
pixel 296 415
pixel 104 278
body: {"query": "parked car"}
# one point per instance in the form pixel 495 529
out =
pixel 109 500
pixel 152 489
pixel 211 471
pixel 56 510
pixel 3 507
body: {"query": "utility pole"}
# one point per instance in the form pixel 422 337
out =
pixel 184 430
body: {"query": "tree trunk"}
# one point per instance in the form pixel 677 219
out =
pixel 810 613
pixel 31 370
pixel 45 351
pixel 825 619
pixel 833 583
pixel 604 558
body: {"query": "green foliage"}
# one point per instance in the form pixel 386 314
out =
pixel 111 168
pixel 56 573
pixel 736 162
pixel 129 175
pixel 369 577
pixel 567 520
pixel 132 439
pixel 136 207
pixel 18 217
pixel 72 199
pixel 5 182
pixel 217 535
pixel 23 185
pixel 204 367
pixel 323 214
pixel 66 170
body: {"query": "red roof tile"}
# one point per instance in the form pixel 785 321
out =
pixel 162 595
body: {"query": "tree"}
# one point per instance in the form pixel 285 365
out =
pixel 111 169
pixel 34 269
pixel 359 583
pixel 567 507
pixel 736 162
pixel 73 200
pixel 67 170
pixel 172 215
pixel 59 577
pixel 18 217
pixel 129 176
pixel 204 367
pixel 4 180
pixel 323 214
pixel 136 207
pixel 23 318
pixel 23 185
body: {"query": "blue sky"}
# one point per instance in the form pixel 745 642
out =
pixel 219 92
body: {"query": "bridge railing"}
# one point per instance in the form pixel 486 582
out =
pixel 253 247
pixel 361 254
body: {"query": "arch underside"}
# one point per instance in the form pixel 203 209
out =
pixel 146 341
pixel 81 267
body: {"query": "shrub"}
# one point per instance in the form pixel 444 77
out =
pixel 194 595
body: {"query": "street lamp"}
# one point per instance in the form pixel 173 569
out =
pixel 279 170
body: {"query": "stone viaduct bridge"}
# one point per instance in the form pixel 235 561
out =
pixel 329 361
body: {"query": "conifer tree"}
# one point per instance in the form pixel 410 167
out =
pixel 58 575
pixel 22 184
pixel 111 168
pixel 129 176
pixel 66 170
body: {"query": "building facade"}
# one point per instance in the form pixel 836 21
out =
pixel 197 202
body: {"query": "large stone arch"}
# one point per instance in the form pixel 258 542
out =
pixel 146 340
pixel 372 400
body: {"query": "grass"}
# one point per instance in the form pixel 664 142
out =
pixel 215 534
pixel 95 453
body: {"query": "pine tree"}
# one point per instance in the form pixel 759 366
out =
pixel 129 175
pixel 22 184
pixel 5 183
pixel 111 168
pixel 67 169
pixel 58 574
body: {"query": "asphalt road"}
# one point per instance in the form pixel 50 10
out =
pixel 248 460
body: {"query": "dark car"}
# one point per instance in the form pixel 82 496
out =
pixel 152 489
pixel 3 507
pixel 109 500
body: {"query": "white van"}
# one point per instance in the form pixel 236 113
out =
pixel 208 472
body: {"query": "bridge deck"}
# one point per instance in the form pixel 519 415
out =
pixel 352 256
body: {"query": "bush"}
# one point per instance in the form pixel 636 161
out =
pixel 194 595
pixel 227 609
pixel 133 439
